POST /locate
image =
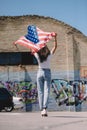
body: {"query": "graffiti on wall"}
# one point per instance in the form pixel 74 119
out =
pixel 64 92
pixel 26 90
pixel 69 93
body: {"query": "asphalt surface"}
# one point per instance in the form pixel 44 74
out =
pixel 33 121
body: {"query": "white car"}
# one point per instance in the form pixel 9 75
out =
pixel 18 102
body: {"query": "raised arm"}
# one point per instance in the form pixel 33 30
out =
pixel 55 44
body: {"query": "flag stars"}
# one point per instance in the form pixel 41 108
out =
pixel 32 34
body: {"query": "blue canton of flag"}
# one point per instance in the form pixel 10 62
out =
pixel 32 34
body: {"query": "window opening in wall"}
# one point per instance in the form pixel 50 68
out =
pixel 16 58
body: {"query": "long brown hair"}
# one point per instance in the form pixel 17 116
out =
pixel 43 53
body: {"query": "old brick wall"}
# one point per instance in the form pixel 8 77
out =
pixel 68 62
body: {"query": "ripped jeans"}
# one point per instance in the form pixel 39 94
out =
pixel 43 87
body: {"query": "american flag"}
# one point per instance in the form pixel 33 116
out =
pixel 35 39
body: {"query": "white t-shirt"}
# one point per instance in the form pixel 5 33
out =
pixel 45 64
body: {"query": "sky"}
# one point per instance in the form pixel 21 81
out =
pixel 71 12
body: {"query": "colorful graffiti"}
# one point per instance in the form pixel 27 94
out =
pixel 26 90
pixel 64 92
pixel 69 93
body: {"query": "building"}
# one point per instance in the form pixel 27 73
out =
pixel 69 61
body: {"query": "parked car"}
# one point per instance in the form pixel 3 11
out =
pixel 6 100
pixel 18 102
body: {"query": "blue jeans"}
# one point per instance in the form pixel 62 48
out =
pixel 43 87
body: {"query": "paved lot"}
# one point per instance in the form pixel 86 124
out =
pixel 34 121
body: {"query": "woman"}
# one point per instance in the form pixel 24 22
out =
pixel 43 57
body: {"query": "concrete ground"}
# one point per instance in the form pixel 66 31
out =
pixel 33 121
